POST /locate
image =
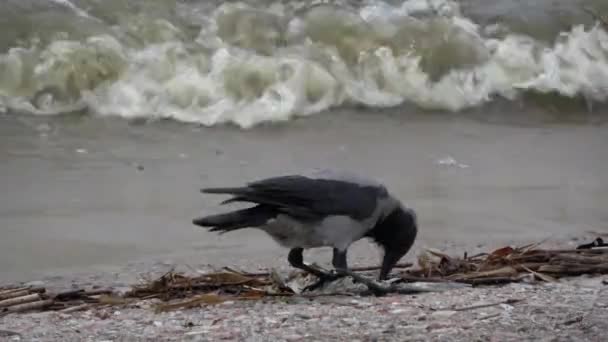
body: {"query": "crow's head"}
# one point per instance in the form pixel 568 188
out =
pixel 395 233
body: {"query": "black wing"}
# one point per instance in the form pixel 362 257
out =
pixel 307 198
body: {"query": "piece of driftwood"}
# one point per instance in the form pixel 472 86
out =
pixel 20 291
pixel 20 300
pixel 41 304
pixel 5 290
pixel 14 294
pixel 80 307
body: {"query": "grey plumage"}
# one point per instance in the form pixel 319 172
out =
pixel 322 208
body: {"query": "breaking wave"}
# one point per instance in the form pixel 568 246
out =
pixel 237 63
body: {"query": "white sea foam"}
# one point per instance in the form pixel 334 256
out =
pixel 249 66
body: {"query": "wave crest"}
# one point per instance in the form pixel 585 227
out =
pixel 247 66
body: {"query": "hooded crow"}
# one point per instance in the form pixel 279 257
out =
pixel 324 208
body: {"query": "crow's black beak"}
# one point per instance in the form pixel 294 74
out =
pixel 391 257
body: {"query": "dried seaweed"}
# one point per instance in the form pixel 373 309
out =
pixel 509 264
pixel 175 285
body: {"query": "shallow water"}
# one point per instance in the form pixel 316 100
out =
pixel 99 191
pixel 488 119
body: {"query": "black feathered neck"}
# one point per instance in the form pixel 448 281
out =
pixel 395 231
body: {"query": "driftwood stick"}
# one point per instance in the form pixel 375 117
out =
pixel 30 306
pixel 76 308
pixel 573 269
pixel 19 300
pixel 11 293
pixel 14 294
pixel 4 292
pixel 581 259
pixel 575 251
pixel 541 276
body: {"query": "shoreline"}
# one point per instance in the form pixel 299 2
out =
pixel 91 192
pixel 363 254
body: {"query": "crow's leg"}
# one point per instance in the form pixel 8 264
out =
pixel 339 262
pixel 296 259
pixel 372 285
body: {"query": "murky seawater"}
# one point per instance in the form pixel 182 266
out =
pixel 489 119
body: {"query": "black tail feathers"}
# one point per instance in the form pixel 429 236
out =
pixel 231 191
pixel 238 219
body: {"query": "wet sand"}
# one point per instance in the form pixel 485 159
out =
pixel 86 194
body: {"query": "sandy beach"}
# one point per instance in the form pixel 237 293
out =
pixel 571 309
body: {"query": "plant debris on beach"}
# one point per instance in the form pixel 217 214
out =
pixel 177 291
pixel 508 264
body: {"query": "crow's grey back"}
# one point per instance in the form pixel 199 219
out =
pixel 344 176
pixel 316 197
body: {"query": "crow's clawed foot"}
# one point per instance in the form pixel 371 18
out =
pixel 375 287
pixel 324 278
pixel 323 275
